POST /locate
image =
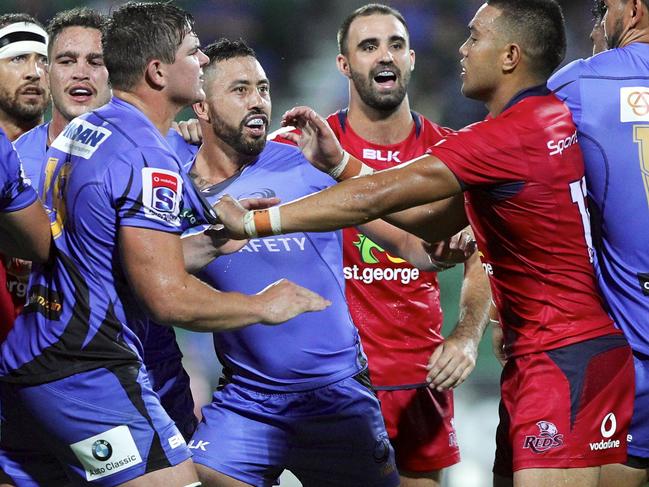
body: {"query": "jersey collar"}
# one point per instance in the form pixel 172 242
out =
pixel 539 90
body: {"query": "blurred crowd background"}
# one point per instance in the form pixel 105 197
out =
pixel 295 41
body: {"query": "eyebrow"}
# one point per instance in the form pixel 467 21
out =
pixel 369 40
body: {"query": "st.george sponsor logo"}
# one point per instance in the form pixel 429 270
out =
pixel 558 146
pixel 107 453
pixel 372 254
pixel 161 194
pixel 381 155
pixel 607 429
pixel 634 104
pixel 548 438
pixel 81 138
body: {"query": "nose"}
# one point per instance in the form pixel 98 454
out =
pixel 35 68
pixel 463 48
pixel 202 58
pixel 386 55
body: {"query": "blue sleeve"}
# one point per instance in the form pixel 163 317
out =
pixel 565 85
pixel 17 192
pixel 184 150
pixel 144 195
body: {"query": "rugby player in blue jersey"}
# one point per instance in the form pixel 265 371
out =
pixel 608 95
pixel 78 84
pixel 298 397
pixel 118 201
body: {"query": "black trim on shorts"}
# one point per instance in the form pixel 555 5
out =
pixel 639 463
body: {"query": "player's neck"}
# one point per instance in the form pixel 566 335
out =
pixel 507 90
pixel 216 161
pixel 380 127
pixel 15 128
pixel 157 109
pixel 56 126
pixel 634 36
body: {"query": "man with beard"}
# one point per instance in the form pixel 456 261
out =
pixel 608 96
pixel 400 322
pixel 566 402
pixel 297 398
pixel 24 96
pixel 77 405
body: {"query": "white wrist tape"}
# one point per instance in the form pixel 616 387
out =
pixel 338 170
pixel 275 220
pixel 249 224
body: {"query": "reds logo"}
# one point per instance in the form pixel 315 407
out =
pixel 548 438
pixel 639 102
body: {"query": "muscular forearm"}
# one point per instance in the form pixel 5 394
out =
pixel 475 299
pixel 363 199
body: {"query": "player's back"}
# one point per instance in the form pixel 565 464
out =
pixel 608 95
pixel 524 174
pixel 313 349
pixel 107 169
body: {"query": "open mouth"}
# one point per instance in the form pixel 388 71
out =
pixel 80 93
pixel 32 91
pixel 386 78
pixel 256 125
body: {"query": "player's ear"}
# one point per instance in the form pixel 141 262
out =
pixel 202 111
pixel 511 57
pixel 634 12
pixel 155 73
pixel 343 65
pixel 412 60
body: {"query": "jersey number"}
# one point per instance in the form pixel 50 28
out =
pixel 641 137
pixel 57 186
pixel 578 194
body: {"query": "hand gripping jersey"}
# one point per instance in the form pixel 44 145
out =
pixel 108 168
pixel 313 349
pixel 608 96
pixel 394 305
pixel 17 194
pixel 525 200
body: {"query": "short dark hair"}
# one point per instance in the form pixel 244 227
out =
pixel 8 19
pixel 76 17
pixel 136 33
pixel 366 11
pixel 540 28
pixel 225 49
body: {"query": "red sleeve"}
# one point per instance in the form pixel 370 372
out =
pixel 482 154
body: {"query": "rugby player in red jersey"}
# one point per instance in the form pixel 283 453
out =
pixel 567 385
pixel 395 306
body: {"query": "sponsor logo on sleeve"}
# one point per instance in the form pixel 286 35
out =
pixel 643 278
pixel 162 194
pixel 558 146
pixel 548 438
pixel 81 138
pixel 107 453
pixel 198 445
pixel 634 104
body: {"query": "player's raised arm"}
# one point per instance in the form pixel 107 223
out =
pixel 351 202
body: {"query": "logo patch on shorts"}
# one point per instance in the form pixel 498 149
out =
pixel 107 453
pixel 161 195
pixel 634 104
pixel 608 428
pixel 548 438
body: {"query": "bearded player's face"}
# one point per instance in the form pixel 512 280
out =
pixel 24 92
pixel 238 99
pixel 378 61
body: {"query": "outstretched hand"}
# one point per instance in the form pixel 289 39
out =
pixel 283 300
pixel 316 140
pixel 451 363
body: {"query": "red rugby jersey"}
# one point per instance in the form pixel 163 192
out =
pixel 11 302
pixel 524 175
pixel 395 306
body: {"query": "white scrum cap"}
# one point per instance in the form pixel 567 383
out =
pixel 22 38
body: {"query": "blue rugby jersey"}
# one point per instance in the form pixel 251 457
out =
pixel 313 349
pixel 608 95
pixel 16 191
pixel 108 168
pixel 31 147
